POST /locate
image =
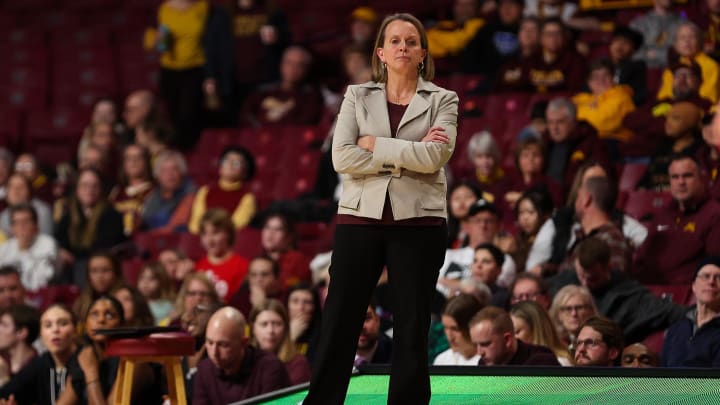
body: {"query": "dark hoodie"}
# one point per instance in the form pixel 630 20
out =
pixel 39 382
pixel 493 45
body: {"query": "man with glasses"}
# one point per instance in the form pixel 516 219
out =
pixel 599 343
pixel 529 287
pixel 636 309
pixel 695 340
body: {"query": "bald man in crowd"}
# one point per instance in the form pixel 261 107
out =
pixel 234 371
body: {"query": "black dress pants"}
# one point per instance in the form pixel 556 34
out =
pixel 413 256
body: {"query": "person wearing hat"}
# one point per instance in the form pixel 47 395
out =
pixel 688 47
pixel 624 43
pixel 694 341
pixel 230 192
pixel 482 225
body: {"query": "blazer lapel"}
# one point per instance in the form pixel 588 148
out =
pixel 375 104
pixel 418 106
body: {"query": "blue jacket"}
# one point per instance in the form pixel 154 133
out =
pixel 686 345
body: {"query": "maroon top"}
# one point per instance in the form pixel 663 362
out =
pixel 396 112
pixel 298 369
pixel 260 373
pixel 531 355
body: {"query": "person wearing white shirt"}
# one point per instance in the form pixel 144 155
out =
pixel 32 253
pixel 455 320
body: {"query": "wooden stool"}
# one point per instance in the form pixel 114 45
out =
pixel 164 348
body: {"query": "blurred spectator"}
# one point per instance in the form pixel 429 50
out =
pixel 304 310
pixel 624 43
pixel 688 47
pixel 356 64
pixel 463 195
pixel 261 33
pixel 637 355
pixel 278 240
pixel 106 110
pixel 484 154
pixel 607 103
pixel 247 371
pixel 20 191
pixel 709 157
pixel 176 264
pixel 220 73
pixel 135 307
pixel 570 142
pixel 32 385
pixel 636 309
pixel 270 331
pixel 448 38
pixel 709 22
pixel 558 234
pixel 496 42
pixel 374 347
pixel 135 184
pixel 102 135
pixel 682 233
pixel 538 122
pixel 493 333
pixel 167 206
pixel 7 163
pixel 90 223
pixel 510 76
pixel 262 284
pixel 531 212
pixel 530 163
pixel 557 66
pixel 196 289
pixel 158 288
pixel 529 287
pixel 231 192
pixel 682 135
pixel 196 322
pixel 104 277
pixel 693 340
pixel 291 101
pixel 28 166
pixel 486 267
pixel 153 136
pixel 599 344
pixel 483 226
pixel 11 288
pixel 19 327
pixel 364 21
pixel 93 157
pixel 571 306
pixel 565 10
pixel 222 266
pixel 455 321
pixel 32 253
pixel 658 28
pixel 140 106
pixel 533 326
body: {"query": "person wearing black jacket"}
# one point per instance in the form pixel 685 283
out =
pixel 44 378
pixel 495 43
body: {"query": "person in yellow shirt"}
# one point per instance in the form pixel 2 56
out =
pixel 687 46
pixel 449 37
pixel 606 104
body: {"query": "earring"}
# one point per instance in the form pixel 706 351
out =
pixel 384 66
pixel 421 66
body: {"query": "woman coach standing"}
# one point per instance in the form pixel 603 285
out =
pixel 393 137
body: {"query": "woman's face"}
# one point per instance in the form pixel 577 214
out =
pixel 169 175
pixel 528 217
pixel 17 190
pixel 484 267
pixel 232 167
pixel 103 136
pixel 530 160
pixel 269 330
pixel 523 331
pixel 461 199
pixel 686 43
pixel 148 284
pixel 57 330
pixel 454 335
pixel 104 112
pixel 197 293
pixel 100 274
pixel 551 38
pixel 133 162
pixel 301 305
pixel 484 164
pixel 102 315
pixel 125 297
pixel 273 236
pixel 529 34
pixel 88 189
pixel 574 312
pixel 402 50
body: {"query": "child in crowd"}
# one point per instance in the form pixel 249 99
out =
pixel 158 289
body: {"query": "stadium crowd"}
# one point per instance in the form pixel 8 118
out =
pixel 584 201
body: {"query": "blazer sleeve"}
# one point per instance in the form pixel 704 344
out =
pixel 347 157
pixel 421 157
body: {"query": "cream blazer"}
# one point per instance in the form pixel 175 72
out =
pixel 409 171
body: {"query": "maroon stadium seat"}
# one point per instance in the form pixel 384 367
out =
pixel 150 244
pixel 631 175
pixel 640 203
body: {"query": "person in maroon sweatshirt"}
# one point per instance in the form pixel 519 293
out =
pixel 570 143
pixel 683 233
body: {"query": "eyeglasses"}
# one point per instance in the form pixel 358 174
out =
pixel 707 277
pixel 588 343
pixel 574 308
